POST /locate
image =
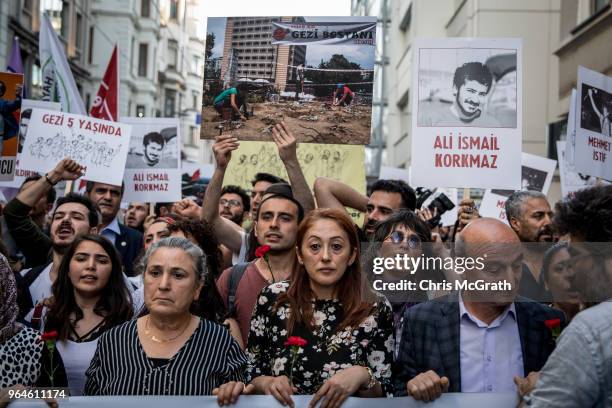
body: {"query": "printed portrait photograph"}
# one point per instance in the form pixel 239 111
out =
pixel 153 149
pixel 596 110
pixel 467 87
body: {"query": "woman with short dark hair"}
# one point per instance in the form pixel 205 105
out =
pixel 169 351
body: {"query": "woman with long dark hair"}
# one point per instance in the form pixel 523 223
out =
pixel 345 344
pixel 89 297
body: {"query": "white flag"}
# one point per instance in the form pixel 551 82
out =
pixel 56 74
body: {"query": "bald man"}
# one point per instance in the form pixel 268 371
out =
pixel 481 336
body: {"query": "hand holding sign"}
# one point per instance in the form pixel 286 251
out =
pixel 66 169
pixel 285 141
pixel 222 148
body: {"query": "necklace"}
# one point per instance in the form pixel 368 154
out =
pixel 157 339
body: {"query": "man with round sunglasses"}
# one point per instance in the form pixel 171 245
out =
pixel 578 373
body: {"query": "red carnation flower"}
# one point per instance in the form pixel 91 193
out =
pixel 553 323
pixel 295 341
pixel 51 335
pixel 262 251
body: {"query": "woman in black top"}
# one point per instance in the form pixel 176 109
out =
pixel 169 351
pixel 345 344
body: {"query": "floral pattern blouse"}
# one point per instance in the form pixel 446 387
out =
pixel 370 344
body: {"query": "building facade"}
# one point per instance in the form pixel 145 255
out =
pixel 250 53
pixel 160 48
pixel 536 23
pixel 71 19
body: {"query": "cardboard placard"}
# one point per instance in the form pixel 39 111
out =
pixel 99 145
pixel 467 112
pixel 152 170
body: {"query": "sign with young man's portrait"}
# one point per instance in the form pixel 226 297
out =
pixel 152 170
pixel 467 113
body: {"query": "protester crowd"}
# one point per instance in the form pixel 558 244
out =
pixel 270 293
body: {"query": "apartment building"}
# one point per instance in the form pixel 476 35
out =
pixel 71 19
pixel 248 52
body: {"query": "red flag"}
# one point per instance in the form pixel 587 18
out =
pixel 105 104
pixel 196 176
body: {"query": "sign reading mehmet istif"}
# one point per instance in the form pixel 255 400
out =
pixel 346 33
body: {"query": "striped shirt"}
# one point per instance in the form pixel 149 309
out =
pixel 209 358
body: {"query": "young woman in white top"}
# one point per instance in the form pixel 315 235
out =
pixel 89 297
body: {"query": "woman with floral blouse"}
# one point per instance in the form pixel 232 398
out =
pixel 344 332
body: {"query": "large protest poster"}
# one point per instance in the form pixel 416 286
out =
pixel 11 86
pixel 314 73
pixel 152 169
pixel 99 145
pixel 26 112
pixel 592 155
pixel 467 112
pixel 536 175
pixel 340 162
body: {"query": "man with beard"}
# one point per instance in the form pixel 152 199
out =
pixel 74 215
pixel 127 240
pixel 530 216
pixel 578 373
pixel 387 197
pixel 276 226
pixel 476 340
pixel 136 214
pixel 233 236
pixel 234 204
pixel 472 83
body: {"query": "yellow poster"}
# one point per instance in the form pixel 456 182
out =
pixel 345 163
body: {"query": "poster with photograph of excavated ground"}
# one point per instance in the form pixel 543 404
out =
pixel 314 73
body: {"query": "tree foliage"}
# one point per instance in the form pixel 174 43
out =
pixel 338 61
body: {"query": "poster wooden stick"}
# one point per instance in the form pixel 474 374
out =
pixel 69 185
pixel 466 193
pixel 151 208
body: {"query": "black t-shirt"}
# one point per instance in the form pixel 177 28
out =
pixel 532 289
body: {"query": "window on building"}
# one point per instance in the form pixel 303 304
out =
pixel 140 110
pixel 197 65
pixel 174 9
pixel 195 98
pixel 170 103
pixel 91 45
pixel 132 46
pixel 79 32
pixel 145 8
pixel 172 54
pixel 26 14
pixel 143 56
pixel 598 5
pixel 194 135
pixel 65 20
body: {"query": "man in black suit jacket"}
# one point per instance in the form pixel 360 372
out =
pixel 128 241
pixel 446 343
